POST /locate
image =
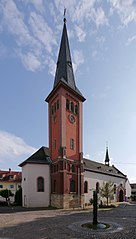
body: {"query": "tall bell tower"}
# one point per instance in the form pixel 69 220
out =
pixel 65 132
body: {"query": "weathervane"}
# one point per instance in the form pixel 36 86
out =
pixel 64 15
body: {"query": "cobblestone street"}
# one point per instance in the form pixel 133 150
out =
pixel 51 224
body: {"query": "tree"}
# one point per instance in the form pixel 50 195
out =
pixel 5 193
pixel 107 191
pixel 18 197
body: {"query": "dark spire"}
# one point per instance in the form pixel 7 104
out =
pixel 64 70
pixel 107 159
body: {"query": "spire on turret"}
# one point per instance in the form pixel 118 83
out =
pixel 107 159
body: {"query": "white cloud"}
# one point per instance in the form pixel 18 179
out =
pixel 51 65
pixel 83 10
pixel 99 17
pixel 38 4
pixel 81 34
pixel 13 146
pixel 126 10
pixel 3 51
pixel 78 58
pixel 34 39
pixel 30 61
pixel 42 31
pixel 87 156
pixel 130 40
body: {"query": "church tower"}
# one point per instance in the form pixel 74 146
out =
pixel 65 132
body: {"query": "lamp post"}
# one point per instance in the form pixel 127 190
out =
pixel 95 199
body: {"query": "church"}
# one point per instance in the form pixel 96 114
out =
pixel 58 175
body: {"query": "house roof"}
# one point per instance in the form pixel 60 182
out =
pixel 96 167
pixel 41 156
pixel 10 176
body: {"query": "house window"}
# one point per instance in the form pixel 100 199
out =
pixel 11 176
pixel 40 184
pixel 97 187
pixel 72 144
pixel 72 186
pixel 11 186
pixel 67 104
pixel 54 143
pixel 1 186
pixel 85 187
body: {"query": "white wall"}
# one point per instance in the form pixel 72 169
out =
pixel 30 173
pixel 92 178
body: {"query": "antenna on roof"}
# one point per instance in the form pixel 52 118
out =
pixel 64 15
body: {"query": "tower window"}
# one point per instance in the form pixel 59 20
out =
pixel 52 110
pixel 73 168
pixel 55 107
pixel 57 104
pixel 40 184
pixel 72 186
pixel 54 143
pixel 72 107
pixel 72 144
pixel 67 104
pixel 76 109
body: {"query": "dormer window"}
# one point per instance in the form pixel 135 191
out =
pixel 11 176
pixel 69 63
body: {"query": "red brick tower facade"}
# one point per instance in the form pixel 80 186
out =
pixel 65 133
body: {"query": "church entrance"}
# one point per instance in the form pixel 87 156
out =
pixel 121 196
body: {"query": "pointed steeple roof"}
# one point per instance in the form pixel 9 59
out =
pixel 107 159
pixel 64 70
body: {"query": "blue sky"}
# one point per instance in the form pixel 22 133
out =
pixel 102 37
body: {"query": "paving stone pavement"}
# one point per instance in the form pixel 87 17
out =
pixel 66 224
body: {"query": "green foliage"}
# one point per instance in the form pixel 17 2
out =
pixel 5 193
pixel 18 197
pixel 107 191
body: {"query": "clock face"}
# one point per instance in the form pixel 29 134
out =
pixel 72 118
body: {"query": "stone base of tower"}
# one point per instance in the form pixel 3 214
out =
pixel 67 201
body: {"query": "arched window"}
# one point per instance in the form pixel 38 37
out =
pixel 114 188
pixel 40 184
pixel 72 186
pixel 85 187
pixel 97 187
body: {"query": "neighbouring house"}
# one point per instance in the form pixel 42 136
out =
pixel 133 191
pixel 10 180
